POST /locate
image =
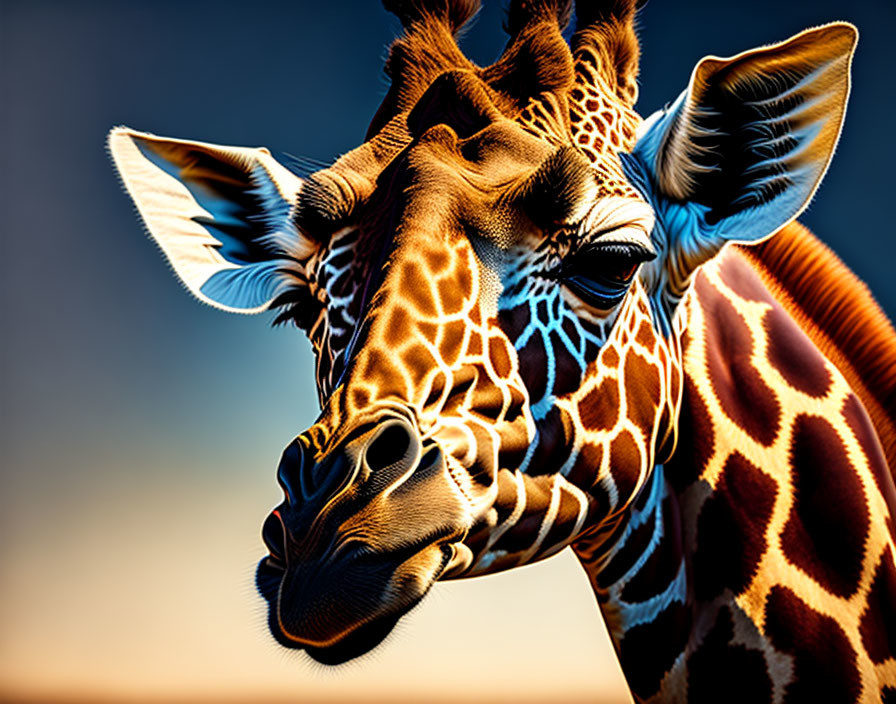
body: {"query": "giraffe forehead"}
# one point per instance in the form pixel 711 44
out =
pixel 587 114
pixel 479 166
pixel 482 178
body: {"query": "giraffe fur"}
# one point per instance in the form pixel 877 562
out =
pixel 719 567
pixel 540 321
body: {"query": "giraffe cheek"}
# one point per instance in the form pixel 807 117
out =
pixel 642 392
pixel 599 409
pixel 567 370
pixel 515 441
pixel 533 362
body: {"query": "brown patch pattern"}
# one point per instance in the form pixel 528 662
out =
pixel 837 311
pixel 600 408
pixel 826 531
pixel 794 356
pixel 731 529
pixel 625 464
pixel 878 625
pixel 743 394
pixel 824 663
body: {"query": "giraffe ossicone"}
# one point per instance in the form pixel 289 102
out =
pixel 542 322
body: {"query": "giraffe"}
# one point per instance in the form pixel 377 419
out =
pixel 540 321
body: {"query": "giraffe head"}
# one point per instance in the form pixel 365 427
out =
pixel 490 283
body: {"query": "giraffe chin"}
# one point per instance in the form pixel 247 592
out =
pixel 359 642
pixel 361 632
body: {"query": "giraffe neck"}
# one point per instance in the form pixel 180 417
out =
pixel 758 563
pixel 639 575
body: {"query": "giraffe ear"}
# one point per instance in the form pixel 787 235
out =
pixel 743 149
pixel 221 215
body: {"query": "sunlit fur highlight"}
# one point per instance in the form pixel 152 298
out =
pixel 839 314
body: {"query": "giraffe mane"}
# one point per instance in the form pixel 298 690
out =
pixel 839 314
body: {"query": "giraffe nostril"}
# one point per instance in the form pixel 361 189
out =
pixel 274 537
pixel 389 447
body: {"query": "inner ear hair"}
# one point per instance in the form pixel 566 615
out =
pixel 750 127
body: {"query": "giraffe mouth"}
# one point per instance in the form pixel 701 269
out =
pixel 270 576
pixel 361 640
pixel 343 567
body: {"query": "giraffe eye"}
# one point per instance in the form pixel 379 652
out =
pixel 601 274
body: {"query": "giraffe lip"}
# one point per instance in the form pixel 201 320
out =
pixel 268 576
pixel 360 641
pixel 274 562
pixel 357 642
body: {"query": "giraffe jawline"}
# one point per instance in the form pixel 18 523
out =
pixel 357 642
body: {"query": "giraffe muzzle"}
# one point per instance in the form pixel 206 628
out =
pixel 362 534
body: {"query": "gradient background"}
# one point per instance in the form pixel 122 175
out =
pixel 140 430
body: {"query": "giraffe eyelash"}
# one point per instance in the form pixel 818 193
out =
pixel 600 274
